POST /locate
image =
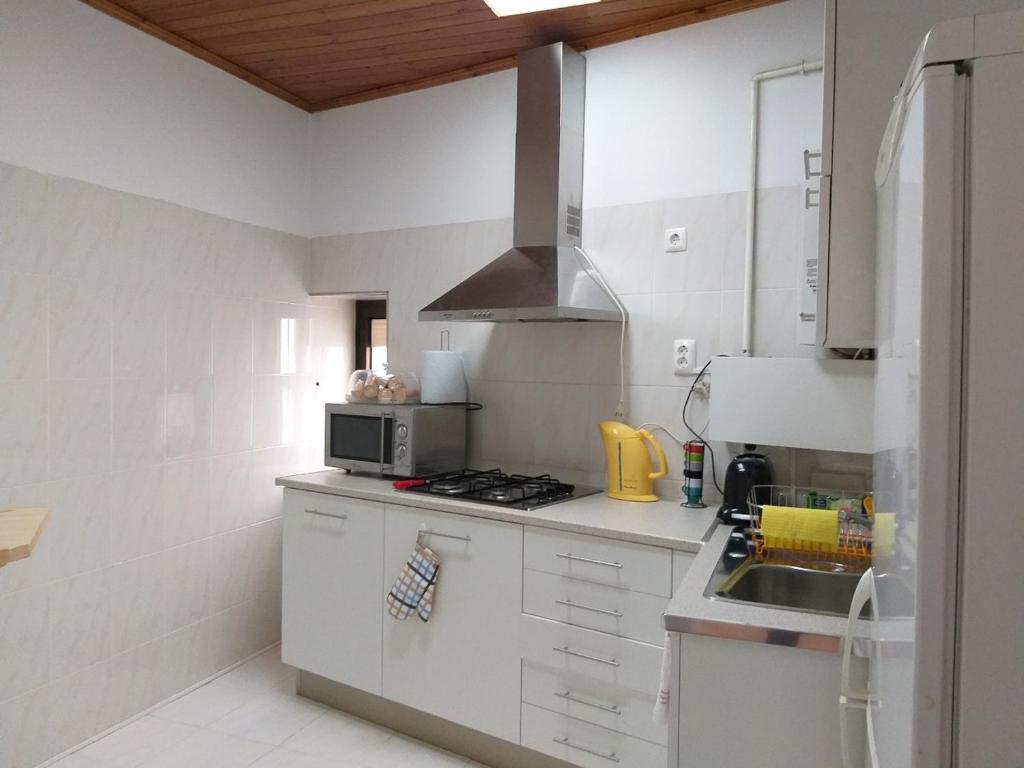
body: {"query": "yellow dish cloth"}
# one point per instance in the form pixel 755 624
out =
pixel 815 530
pixel 884 533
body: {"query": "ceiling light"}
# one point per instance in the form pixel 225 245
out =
pixel 513 7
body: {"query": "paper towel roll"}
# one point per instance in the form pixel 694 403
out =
pixel 444 379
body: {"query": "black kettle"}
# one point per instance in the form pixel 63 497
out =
pixel 744 472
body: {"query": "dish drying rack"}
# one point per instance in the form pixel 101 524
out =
pixel 852 551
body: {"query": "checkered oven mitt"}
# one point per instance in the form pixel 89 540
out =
pixel 413 591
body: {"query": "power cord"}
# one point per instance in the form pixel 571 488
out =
pixel 697 436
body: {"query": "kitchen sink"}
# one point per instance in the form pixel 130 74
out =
pixel 789 586
pixel 799 588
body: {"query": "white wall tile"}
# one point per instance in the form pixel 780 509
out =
pixel 139 412
pixel 139 330
pixel 283 338
pixel 136 592
pixel 186 502
pixel 231 496
pixel 24 320
pixel 189 333
pixel 186 584
pixel 136 513
pixel 232 412
pixel 80 628
pixel 189 417
pixel 25 641
pixel 79 428
pixel 80 330
pixel 78 530
pixel 81 221
pixel 139 248
pixel 23 423
pixel 232 335
pixel 23 200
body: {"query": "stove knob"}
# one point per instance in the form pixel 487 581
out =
pixel 401 451
pixel 403 431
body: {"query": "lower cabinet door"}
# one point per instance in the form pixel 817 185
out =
pixel 333 553
pixel 463 664
pixel 587 745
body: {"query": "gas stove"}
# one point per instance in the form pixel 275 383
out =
pixel 493 486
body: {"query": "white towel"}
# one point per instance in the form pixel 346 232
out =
pixel 661 706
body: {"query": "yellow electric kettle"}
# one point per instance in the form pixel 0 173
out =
pixel 630 477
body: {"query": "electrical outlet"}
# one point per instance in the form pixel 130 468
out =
pixel 675 240
pixel 684 356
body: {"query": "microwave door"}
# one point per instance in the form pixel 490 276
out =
pixel 365 440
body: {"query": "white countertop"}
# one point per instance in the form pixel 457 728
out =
pixel 658 523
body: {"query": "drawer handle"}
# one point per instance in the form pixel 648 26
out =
pixel 581 606
pixel 318 513
pixel 564 741
pixel 568 696
pixel 579 654
pixel 569 556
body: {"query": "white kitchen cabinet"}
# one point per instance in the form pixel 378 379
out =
pixel 464 664
pixel 743 704
pixel 869 45
pixel 333 565
pixel 587 745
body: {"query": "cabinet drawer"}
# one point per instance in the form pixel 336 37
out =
pixel 587 745
pixel 595 606
pixel 604 658
pixel 603 561
pixel 608 705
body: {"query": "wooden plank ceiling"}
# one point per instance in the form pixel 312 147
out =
pixel 321 54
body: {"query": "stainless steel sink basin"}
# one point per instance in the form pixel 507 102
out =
pixel 788 586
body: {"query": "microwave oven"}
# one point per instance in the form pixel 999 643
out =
pixel 402 440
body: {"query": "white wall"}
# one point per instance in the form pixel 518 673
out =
pixel 89 97
pixel 159 367
pixel 668 116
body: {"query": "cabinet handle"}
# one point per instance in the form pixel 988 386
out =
pixel 318 513
pixel 579 654
pixel 575 699
pixel 808 173
pixel 564 741
pixel 810 196
pixel 569 556
pixel 581 606
pixel 423 532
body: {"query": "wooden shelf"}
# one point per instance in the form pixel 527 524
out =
pixel 19 532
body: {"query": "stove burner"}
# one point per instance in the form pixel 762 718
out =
pixel 502 493
pixel 451 486
pixel 496 487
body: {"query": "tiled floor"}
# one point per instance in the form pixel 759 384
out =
pixel 248 717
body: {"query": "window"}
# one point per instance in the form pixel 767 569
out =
pixel 371 334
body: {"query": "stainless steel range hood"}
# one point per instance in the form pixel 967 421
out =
pixel 545 276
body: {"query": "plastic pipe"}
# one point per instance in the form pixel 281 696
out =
pixel 803 68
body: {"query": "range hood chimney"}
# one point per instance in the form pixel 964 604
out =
pixel 545 276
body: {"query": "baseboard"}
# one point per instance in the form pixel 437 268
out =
pixel 150 710
pixel 489 750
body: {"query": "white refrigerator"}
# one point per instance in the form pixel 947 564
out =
pixel 946 681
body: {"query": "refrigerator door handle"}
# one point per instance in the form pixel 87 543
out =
pixel 854 698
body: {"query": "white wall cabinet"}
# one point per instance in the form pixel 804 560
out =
pixel 333 565
pixel 869 45
pixel 464 664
